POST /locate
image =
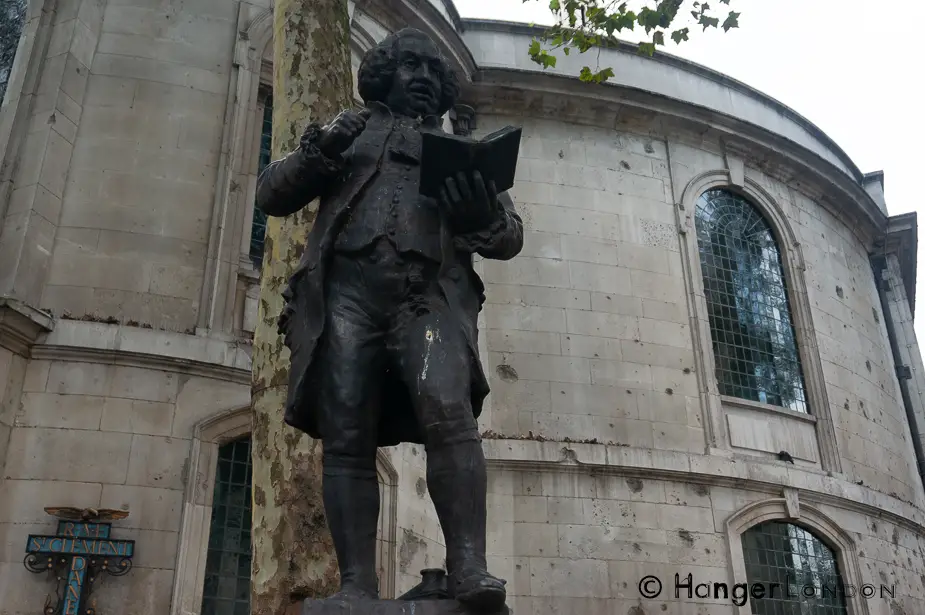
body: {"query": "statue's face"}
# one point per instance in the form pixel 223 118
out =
pixel 416 87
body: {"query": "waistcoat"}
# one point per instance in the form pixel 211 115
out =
pixel 391 205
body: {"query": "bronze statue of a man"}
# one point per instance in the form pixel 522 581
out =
pixel 381 313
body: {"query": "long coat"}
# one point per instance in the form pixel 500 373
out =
pixel 289 184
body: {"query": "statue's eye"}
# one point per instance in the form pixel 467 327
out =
pixel 410 62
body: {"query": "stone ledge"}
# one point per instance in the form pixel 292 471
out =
pixel 752 474
pixel 21 325
pixel 385 607
pixel 93 342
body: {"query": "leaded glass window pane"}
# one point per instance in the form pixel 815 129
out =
pixel 798 572
pixel 754 343
pixel 259 225
pixel 228 560
pixel 12 17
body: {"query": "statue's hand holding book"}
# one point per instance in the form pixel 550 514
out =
pixel 466 175
pixel 469 203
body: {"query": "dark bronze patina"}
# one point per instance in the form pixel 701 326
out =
pixel 381 313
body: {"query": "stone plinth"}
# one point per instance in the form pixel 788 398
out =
pixel 387 607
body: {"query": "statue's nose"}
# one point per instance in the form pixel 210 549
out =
pixel 424 72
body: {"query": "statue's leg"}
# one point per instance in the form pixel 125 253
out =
pixel 434 359
pixel 350 357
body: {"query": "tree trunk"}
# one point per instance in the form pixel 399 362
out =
pixel 293 556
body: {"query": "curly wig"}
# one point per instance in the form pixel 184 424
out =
pixel 380 63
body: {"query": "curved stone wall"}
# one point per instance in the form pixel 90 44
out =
pixel 588 330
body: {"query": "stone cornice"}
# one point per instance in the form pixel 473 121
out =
pixel 743 474
pixel 454 13
pixel 21 325
pixel 626 48
pixel 92 342
pixel 444 27
pixel 902 240
pixel 138 359
pixel 509 90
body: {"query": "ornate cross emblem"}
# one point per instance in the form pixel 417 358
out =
pixel 81 550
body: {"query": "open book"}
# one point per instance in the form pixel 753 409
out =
pixel 444 155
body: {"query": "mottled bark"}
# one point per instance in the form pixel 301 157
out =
pixel 292 550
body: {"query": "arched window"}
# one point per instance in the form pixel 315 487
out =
pixel 798 571
pixel 754 342
pixel 259 224
pixel 227 586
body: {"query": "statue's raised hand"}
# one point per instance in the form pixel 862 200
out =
pixel 340 134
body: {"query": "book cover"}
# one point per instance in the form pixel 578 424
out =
pixel 444 155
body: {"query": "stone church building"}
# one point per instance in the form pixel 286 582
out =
pixel 702 363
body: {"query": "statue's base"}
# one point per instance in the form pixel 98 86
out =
pixel 389 607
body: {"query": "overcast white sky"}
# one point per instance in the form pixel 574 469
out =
pixel 847 66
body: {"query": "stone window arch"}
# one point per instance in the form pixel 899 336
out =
pixel 226 586
pixel 733 228
pixel 784 541
pixel 800 564
pixel 258 225
pixel 210 440
pixel 209 436
pixel 230 300
pixel 748 306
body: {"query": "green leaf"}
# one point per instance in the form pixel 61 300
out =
pixel 583 25
pixel 588 76
pixel 708 22
pixel 648 19
pixel 647 49
pixel 732 21
pixel 668 10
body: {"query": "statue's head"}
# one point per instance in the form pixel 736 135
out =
pixel 407 73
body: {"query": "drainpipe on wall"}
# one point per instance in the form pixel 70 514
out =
pixel 878 264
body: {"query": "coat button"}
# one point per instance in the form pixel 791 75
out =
pixel 312 266
pixel 453 273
